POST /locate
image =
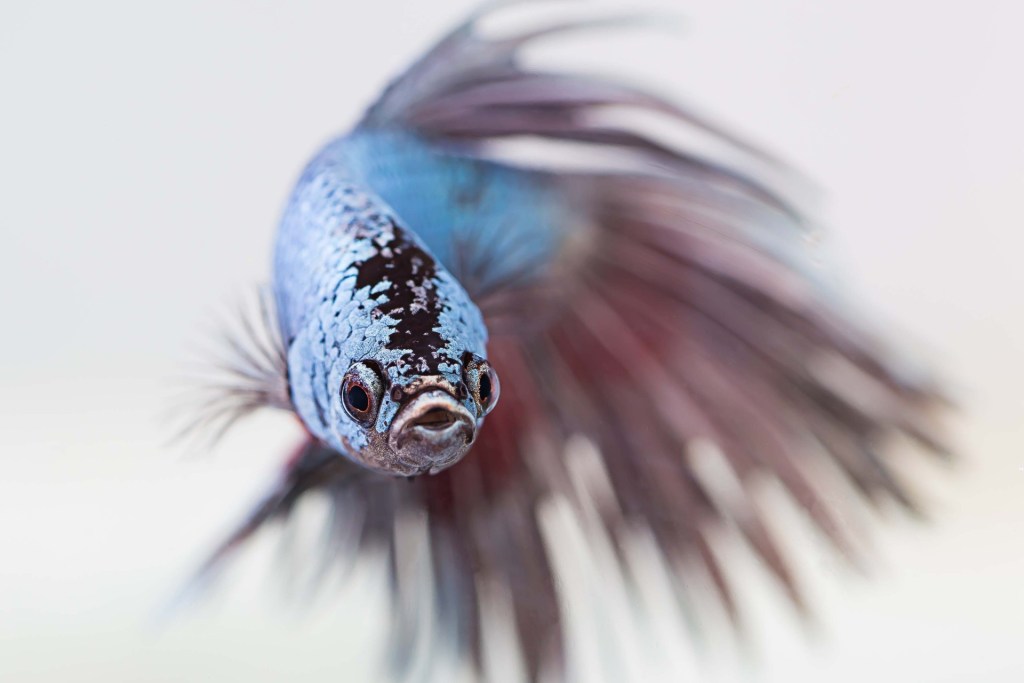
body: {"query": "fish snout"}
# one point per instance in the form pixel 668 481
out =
pixel 432 431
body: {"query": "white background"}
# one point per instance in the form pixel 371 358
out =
pixel 145 153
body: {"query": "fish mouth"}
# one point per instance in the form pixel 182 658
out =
pixel 432 431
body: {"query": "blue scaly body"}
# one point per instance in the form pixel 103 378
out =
pixel 355 283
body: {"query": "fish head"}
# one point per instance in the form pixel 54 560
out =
pixel 410 424
pixel 392 371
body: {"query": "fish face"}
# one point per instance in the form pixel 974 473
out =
pixel 422 425
pixel 386 358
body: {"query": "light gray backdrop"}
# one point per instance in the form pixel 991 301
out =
pixel 146 150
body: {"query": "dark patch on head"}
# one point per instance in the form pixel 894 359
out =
pixel 412 299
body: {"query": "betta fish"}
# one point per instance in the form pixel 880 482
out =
pixel 444 320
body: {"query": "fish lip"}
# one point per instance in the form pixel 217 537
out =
pixel 432 443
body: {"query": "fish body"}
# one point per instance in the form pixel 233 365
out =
pixel 354 284
pixel 363 274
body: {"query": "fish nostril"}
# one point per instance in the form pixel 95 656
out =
pixel 435 418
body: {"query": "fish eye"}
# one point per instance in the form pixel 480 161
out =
pixel 485 388
pixel 483 384
pixel 361 391
pixel 489 388
pixel 357 398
